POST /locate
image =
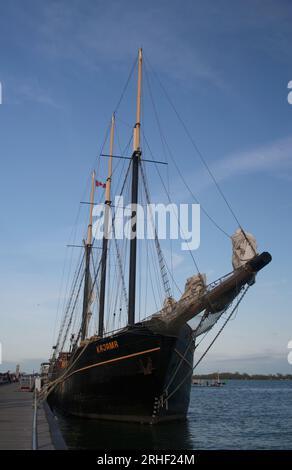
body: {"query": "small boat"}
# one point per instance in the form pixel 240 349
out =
pixel 208 382
pixel 217 383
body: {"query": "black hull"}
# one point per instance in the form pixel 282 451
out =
pixel 125 380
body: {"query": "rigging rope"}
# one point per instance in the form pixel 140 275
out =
pixel 119 103
pixel 71 317
pixel 194 144
pixel 66 315
pixel 168 396
pixel 161 260
pixel 178 221
pixel 120 265
pixel 52 385
pixel 165 144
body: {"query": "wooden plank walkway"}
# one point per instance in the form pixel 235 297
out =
pixel 16 415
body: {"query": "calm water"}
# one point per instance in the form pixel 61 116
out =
pixel 240 415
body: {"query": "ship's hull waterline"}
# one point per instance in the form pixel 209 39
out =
pixel 122 378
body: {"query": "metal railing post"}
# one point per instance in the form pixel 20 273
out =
pixel 34 423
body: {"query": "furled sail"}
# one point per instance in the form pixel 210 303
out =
pixel 199 297
pixel 91 292
pixel 244 247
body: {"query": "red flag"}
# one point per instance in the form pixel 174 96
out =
pixel 100 183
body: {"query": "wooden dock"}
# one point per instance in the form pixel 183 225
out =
pixel 16 418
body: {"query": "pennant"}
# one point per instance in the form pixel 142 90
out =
pixel 100 183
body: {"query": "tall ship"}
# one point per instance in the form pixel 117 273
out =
pixel 139 371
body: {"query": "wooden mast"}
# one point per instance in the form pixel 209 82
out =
pixel 136 140
pixel 105 233
pixel 88 248
pixel 134 198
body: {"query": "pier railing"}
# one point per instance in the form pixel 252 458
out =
pixel 34 422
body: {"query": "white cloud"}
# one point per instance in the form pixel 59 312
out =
pixel 274 156
pixel 32 91
pixel 112 33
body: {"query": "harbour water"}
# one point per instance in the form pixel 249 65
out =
pixel 245 414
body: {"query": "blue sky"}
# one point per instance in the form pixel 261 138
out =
pixel 226 66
